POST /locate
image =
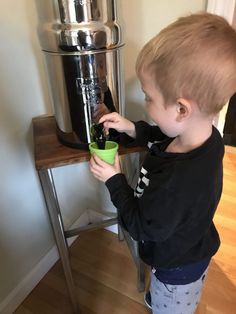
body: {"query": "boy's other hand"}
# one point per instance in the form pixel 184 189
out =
pixel 115 121
pixel 102 170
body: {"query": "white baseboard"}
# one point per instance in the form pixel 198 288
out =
pixel 21 291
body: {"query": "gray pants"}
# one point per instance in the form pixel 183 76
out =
pixel 175 299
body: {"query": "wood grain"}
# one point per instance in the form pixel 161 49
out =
pixel 50 153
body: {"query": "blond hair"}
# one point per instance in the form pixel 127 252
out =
pixel 193 58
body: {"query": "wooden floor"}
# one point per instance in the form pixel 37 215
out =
pixel 105 275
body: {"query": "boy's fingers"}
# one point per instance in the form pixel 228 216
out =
pixel 108 117
pixel 104 118
pixel 99 161
pixel 106 131
pixel 117 160
pixel 109 124
pixel 92 161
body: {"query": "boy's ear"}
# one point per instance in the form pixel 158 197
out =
pixel 184 109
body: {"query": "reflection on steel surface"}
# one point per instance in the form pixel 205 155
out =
pixel 82 43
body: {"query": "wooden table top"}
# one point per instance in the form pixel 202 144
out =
pixel 50 153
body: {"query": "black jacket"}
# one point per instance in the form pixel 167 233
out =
pixel 171 211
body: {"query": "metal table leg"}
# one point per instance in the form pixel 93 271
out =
pixel 120 232
pixel 53 207
pixel 133 248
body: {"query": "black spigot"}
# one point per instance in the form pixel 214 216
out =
pixel 98 134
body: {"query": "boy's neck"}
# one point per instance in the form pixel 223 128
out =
pixel 191 138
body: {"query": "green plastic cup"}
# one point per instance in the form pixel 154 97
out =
pixel 107 154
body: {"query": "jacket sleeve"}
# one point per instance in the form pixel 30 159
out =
pixel 152 217
pixel 144 133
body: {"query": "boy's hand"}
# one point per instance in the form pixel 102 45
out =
pixel 102 170
pixel 115 121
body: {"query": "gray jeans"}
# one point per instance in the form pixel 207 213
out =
pixel 175 299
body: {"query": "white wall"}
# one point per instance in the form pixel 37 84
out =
pixel 24 229
pixel 225 8
pixel 143 20
pixel 25 234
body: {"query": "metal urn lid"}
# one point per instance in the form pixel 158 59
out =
pixel 78 25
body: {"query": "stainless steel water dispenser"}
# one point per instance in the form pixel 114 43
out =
pixel 82 42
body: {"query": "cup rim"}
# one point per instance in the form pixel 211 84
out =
pixel 112 142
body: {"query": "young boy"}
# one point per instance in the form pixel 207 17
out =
pixel 187 73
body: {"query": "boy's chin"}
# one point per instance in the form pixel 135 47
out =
pixel 169 133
